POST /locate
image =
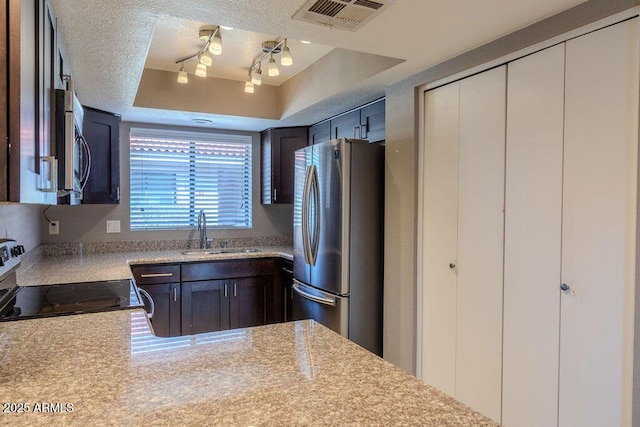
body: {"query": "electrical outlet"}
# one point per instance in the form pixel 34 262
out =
pixel 113 226
pixel 54 227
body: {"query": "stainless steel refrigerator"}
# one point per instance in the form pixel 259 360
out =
pixel 338 238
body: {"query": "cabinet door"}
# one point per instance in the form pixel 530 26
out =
pixel 166 317
pixel 45 84
pixel 346 125
pixel 320 132
pixel 533 219
pixel 102 132
pixel 598 229
pixel 481 148
pixel 439 237
pixel 248 301
pixel 205 306
pixel 286 144
pixel 278 148
pixel 372 127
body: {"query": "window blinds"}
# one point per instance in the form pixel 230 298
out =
pixel 176 174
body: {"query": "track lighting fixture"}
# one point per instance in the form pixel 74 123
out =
pixel 270 48
pixel 211 37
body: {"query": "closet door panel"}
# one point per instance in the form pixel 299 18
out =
pixel 480 241
pixel 533 226
pixel 599 216
pixel 440 231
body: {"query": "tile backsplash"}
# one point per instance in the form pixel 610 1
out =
pixel 158 245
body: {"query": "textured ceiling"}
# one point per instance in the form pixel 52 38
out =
pixel 107 41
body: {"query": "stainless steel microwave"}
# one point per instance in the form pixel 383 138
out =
pixel 71 164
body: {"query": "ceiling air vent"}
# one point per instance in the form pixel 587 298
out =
pixel 342 14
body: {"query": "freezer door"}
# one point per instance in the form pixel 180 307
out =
pixel 301 269
pixel 332 165
pixel 328 309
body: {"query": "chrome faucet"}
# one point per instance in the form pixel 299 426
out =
pixel 202 226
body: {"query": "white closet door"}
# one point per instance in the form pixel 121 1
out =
pixel 533 227
pixel 481 148
pixel 440 230
pixel 601 135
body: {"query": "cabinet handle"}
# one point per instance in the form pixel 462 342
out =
pixel 175 294
pixel 235 290
pixel 225 290
pixel 564 287
pixel 286 270
pixel 144 276
pixel 275 194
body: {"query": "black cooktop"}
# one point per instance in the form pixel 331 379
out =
pixel 27 302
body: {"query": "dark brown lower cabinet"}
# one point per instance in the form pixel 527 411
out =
pixel 205 306
pixel 212 296
pixel 167 313
pixel 162 282
pixel 248 301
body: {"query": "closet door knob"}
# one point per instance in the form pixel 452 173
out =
pixel 452 265
pixel 564 287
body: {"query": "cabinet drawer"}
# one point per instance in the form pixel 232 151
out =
pixel 151 274
pixel 226 269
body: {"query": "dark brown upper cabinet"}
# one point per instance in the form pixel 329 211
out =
pixel 366 122
pixel 102 132
pixel 29 70
pixel 319 133
pixel 372 127
pixel 346 125
pixel 278 146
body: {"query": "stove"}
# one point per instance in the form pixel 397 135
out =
pixel 28 302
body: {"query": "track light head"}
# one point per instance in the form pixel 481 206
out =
pixel 215 46
pixel 285 57
pixel 206 58
pixel 273 70
pixel 182 75
pixel 201 70
pixel 248 86
pixel 256 77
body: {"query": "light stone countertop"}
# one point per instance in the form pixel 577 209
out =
pixel 48 270
pixel 112 371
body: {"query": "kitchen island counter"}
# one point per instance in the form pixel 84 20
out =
pixel 110 369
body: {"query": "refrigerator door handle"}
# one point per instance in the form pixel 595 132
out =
pixel 316 229
pixel 305 216
pixel 328 300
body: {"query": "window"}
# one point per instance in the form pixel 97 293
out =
pixel 176 174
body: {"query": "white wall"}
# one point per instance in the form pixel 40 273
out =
pixel 87 223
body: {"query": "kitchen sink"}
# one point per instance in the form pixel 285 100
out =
pixel 220 251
